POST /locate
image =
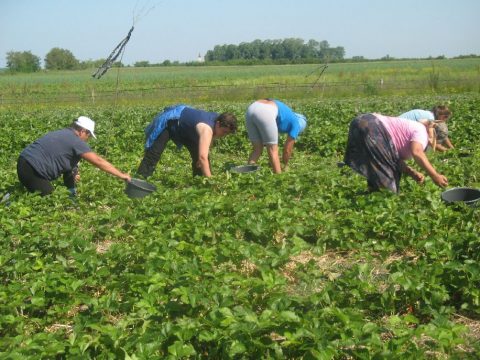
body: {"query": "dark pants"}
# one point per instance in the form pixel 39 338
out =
pixel 29 177
pixel 152 154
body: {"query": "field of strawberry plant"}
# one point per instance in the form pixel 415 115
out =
pixel 298 265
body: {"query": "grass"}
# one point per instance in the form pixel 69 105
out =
pixel 210 83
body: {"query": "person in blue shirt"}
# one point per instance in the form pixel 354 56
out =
pixel 186 126
pixel 58 153
pixel 439 114
pixel 265 119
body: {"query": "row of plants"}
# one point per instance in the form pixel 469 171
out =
pixel 299 265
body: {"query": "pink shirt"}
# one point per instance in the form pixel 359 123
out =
pixel 403 132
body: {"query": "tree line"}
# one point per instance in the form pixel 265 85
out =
pixel 290 50
pixel 257 52
pixel 281 50
pixel 56 59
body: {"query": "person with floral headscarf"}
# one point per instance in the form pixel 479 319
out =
pixel 265 119
pixel 378 146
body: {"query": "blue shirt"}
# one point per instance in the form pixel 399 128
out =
pixel 287 121
pixel 417 115
pixel 55 153
pixel 186 131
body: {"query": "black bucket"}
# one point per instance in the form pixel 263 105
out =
pixel 241 169
pixel 139 188
pixel 468 196
pixel 463 152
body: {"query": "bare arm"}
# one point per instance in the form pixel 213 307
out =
pixel 288 150
pixel 414 174
pixel 104 165
pixel 448 143
pixel 205 134
pixel 440 147
pixel 422 160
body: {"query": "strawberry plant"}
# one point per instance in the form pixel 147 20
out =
pixel 299 265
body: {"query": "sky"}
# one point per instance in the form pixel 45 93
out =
pixel 180 30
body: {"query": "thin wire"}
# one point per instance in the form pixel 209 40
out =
pixel 118 77
pixel 315 70
pixel 324 67
pixel 120 49
pixel 113 56
pixel 121 46
pixel 143 12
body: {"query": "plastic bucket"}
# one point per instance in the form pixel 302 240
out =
pixel 463 152
pixel 468 196
pixel 139 188
pixel 241 169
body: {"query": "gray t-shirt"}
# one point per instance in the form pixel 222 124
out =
pixel 442 132
pixel 55 153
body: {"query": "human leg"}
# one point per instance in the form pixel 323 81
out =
pixel 262 131
pixel 256 152
pixel 69 179
pixel 272 150
pixel 253 134
pixel 152 155
pixel 30 178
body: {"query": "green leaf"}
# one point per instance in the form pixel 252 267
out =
pixel 289 316
pixel 180 349
pixel 236 348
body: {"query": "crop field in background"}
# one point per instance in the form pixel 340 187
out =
pixel 204 83
pixel 298 265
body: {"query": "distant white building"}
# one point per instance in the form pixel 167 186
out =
pixel 200 58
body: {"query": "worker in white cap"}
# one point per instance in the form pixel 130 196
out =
pixel 58 153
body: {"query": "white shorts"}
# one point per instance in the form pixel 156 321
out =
pixel 261 123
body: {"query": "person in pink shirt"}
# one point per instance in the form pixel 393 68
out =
pixel 378 146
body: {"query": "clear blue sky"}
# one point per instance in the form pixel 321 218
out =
pixel 181 29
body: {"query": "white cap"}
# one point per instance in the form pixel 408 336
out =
pixel 87 124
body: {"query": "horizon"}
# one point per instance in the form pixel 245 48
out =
pixel 355 59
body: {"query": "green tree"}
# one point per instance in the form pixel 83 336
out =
pixel 278 51
pixel 142 63
pixel 22 61
pixel 311 49
pixel 293 48
pixel 60 59
pixel 88 64
pixel 333 54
